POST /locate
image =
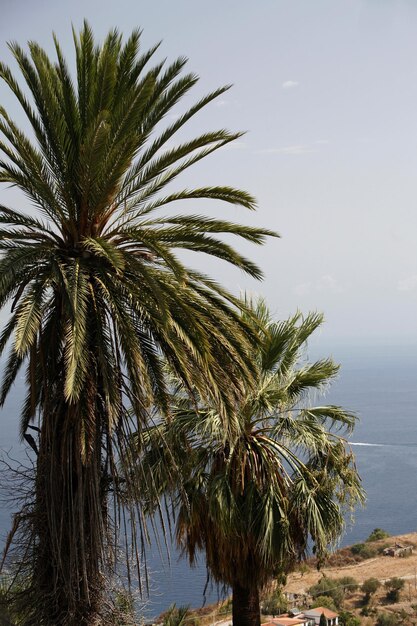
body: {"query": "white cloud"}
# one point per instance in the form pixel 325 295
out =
pixel 322 142
pixel 290 84
pixel 329 283
pixel 325 283
pixel 222 103
pixel 407 284
pixel 295 150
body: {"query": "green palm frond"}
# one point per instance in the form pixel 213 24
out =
pixel 100 297
pixel 254 497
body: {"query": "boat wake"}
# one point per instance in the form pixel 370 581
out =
pixel 382 445
pixel 373 445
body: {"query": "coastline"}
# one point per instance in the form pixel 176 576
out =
pixel 381 567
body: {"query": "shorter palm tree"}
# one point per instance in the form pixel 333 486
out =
pixel 254 496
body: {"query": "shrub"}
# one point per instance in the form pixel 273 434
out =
pixel 325 601
pixel 364 550
pixel 367 611
pixel 369 587
pixel 387 619
pixel 303 568
pixel 274 604
pixel 10 601
pixel 123 612
pixel 382 547
pixel 348 583
pixel 327 587
pixel 180 616
pixel 378 533
pixel 348 619
pixel 394 586
pixel 226 607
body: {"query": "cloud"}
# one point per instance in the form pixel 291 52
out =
pixel 322 142
pixel 407 284
pixel 325 283
pixel 222 103
pixel 329 283
pixel 295 150
pixel 290 84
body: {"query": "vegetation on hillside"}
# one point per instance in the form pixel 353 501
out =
pixel 393 587
pixel 334 588
pixel 378 534
pixel 369 587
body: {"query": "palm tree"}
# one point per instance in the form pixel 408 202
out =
pixel 98 295
pixel 252 499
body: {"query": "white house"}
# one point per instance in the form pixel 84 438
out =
pixel 286 620
pixel 315 614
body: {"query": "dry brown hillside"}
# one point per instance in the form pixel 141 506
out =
pixel 381 567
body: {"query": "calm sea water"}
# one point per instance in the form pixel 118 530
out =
pixel 380 385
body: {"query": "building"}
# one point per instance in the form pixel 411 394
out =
pixel 310 617
pixel 315 614
pixel 398 550
pixel 286 620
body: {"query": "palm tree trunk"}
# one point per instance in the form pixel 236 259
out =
pixel 246 611
pixel 69 526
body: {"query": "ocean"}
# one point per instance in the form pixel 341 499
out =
pixel 377 383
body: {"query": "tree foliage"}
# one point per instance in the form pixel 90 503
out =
pixel 377 534
pixel 327 587
pixel 348 583
pixel 369 587
pixel 252 498
pixel 387 619
pixel 326 601
pixel 346 618
pixel 98 294
pixel 363 550
pixel 179 616
pixel 274 603
pixel 393 587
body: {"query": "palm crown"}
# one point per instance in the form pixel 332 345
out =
pixel 252 501
pixel 100 251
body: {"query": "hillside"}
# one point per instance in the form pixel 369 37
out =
pixel 381 567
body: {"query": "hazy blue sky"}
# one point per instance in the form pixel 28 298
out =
pixel 328 92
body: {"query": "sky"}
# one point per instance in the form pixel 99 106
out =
pixel 327 92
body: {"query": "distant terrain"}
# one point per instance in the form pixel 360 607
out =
pixel 342 563
pixel 381 567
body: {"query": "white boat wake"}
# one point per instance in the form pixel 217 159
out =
pixel 382 445
pixel 374 445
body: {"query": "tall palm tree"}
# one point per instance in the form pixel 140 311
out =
pixel 252 499
pixel 98 295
